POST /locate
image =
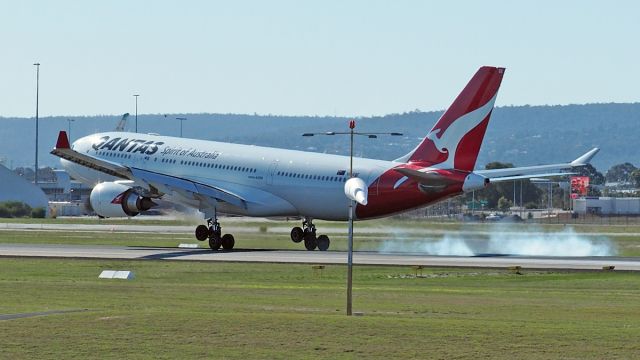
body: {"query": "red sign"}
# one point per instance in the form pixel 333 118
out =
pixel 579 185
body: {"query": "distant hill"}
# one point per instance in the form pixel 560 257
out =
pixel 522 135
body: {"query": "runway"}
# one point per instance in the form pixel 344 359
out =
pixel 315 257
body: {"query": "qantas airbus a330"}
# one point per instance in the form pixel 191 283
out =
pixel 130 170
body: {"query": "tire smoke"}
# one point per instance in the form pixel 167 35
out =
pixel 504 240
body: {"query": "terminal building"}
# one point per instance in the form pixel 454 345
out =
pixel 607 206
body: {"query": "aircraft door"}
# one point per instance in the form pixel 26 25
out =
pixel 271 172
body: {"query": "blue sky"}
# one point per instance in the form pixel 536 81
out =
pixel 355 58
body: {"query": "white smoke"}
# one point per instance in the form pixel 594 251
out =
pixel 505 240
pixel 448 245
pixel 564 243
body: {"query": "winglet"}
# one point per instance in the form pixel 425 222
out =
pixel 586 158
pixel 63 141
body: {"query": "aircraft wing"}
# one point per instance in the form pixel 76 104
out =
pixel 527 172
pixel 152 183
pixel 64 151
pixel 167 184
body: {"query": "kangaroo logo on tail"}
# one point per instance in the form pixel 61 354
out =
pixel 455 139
pixel 449 139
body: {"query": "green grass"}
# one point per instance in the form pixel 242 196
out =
pixel 223 310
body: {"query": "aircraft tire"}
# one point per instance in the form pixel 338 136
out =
pixel 215 242
pixel 323 242
pixel 310 242
pixel 228 241
pixel 297 234
pixel 202 232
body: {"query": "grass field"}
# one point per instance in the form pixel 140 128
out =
pixel 225 310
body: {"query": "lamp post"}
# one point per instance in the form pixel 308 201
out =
pixel 37 65
pixel 181 120
pixel 351 133
pixel 69 121
pixel 136 96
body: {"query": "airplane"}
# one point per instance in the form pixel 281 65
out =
pixel 130 171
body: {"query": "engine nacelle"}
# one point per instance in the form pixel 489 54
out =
pixel 110 199
pixel 356 190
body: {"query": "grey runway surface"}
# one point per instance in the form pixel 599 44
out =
pixel 315 257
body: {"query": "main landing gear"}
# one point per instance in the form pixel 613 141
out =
pixel 213 231
pixel 308 234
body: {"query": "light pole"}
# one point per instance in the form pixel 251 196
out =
pixel 69 121
pixel 521 200
pixel 351 133
pixel 35 179
pixel 136 96
pixel 181 120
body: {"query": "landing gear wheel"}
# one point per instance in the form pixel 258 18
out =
pixel 297 234
pixel 323 242
pixel 228 241
pixel 310 241
pixel 202 232
pixel 215 242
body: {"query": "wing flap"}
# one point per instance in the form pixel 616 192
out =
pixel 167 183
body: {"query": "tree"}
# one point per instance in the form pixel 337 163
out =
pixel 504 204
pixel 635 177
pixel 498 165
pixel 595 177
pixel 492 193
pixel 38 213
pixel 13 209
pixel 620 173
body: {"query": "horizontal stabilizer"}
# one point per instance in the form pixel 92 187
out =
pixel 522 177
pixel 528 172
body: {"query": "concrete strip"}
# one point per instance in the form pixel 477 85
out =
pixel 315 257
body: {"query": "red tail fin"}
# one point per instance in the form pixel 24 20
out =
pixel 454 141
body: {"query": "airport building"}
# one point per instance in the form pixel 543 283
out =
pixel 62 188
pixel 59 194
pixel 607 206
pixel 16 188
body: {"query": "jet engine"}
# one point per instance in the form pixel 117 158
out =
pixel 112 199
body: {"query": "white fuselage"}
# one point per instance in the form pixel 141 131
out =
pixel 278 182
